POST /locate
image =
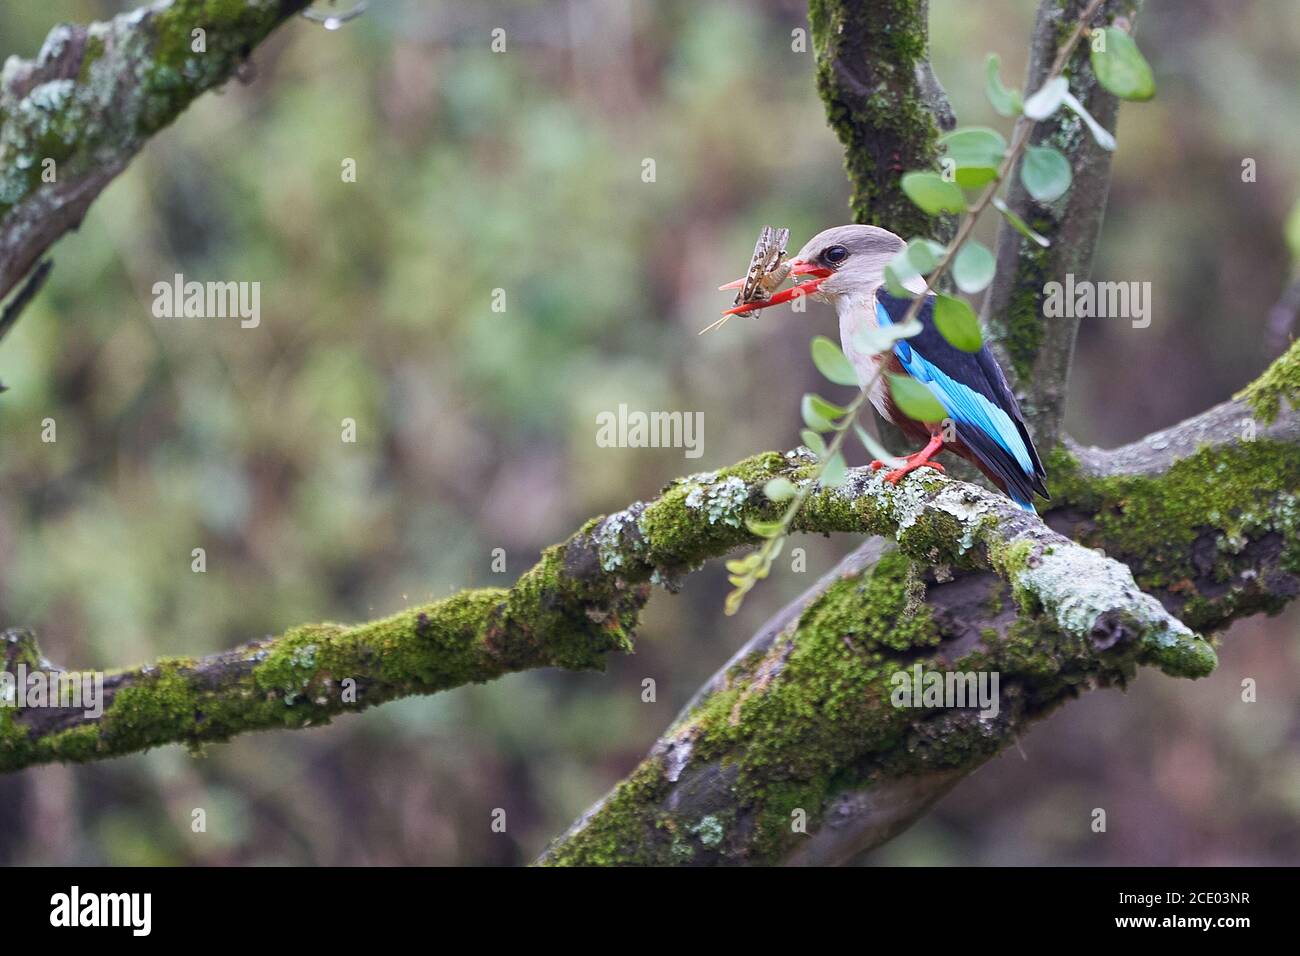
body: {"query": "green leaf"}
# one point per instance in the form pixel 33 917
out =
pixel 922 255
pixel 957 323
pixel 1047 99
pixel 1045 173
pixel 915 400
pixel 822 408
pixel 933 194
pixel 836 471
pixel 1099 132
pixel 897 273
pixel 1018 224
pixel 1122 68
pixel 1005 102
pixel 764 529
pixel 746 564
pixel 877 451
pixel 977 152
pixel 813 441
pixel 973 177
pixel 830 361
pixel 977 145
pixel 780 489
pixel 973 266
pixel 871 340
pixel 817 423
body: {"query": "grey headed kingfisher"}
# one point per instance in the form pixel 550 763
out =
pixel 845 266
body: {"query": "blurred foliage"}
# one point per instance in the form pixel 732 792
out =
pixel 522 171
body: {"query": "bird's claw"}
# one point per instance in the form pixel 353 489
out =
pixel 897 475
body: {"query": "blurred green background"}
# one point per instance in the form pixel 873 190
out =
pixel 522 171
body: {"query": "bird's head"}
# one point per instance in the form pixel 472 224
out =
pixel 842 262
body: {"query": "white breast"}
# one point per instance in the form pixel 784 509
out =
pixel 857 312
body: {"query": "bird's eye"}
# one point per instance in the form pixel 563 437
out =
pixel 834 255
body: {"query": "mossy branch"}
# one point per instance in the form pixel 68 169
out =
pixel 798 728
pixel 72 118
pixel 883 101
pixel 1207 514
pixel 564 612
pixel 888 109
pixel 582 600
pixel 798 751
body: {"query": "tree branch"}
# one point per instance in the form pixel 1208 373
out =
pixel 1022 266
pixel 1036 352
pixel 94 95
pixel 805 716
pixel 1207 513
pixel 888 109
pixel 800 723
pixel 582 599
pixel 882 100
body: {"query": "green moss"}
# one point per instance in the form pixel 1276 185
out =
pixel 617 834
pixel 311 673
pixel 880 116
pixel 833 709
pixel 93 51
pixel 834 705
pixel 176 73
pixel 1280 382
pixel 812 716
pixel 1204 507
pixel 701 516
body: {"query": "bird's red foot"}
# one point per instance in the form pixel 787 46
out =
pixel 897 475
pixel 920 459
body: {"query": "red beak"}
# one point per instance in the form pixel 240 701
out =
pixel 798 268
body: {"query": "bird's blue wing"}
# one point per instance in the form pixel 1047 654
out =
pixel 974 392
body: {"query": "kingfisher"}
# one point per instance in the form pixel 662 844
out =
pixel 845 266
